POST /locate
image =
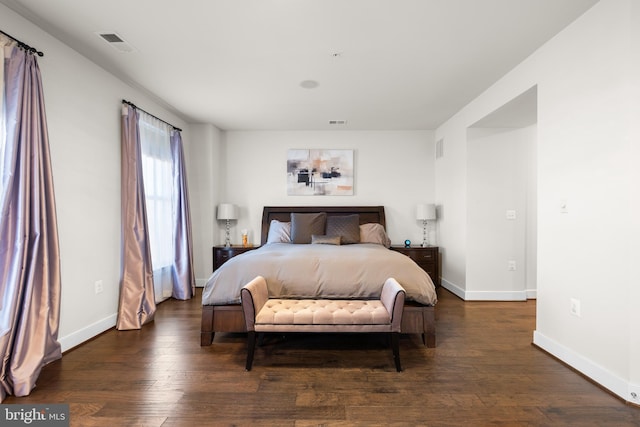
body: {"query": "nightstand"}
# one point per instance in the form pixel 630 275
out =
pixel 425 257
pixel 222 254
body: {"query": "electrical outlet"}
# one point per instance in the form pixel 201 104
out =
pixel 98 287
pixel 575 307
pixel 511 265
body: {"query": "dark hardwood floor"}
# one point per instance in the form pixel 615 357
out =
pixel 484 371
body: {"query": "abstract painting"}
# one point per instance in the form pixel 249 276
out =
pixel 319 172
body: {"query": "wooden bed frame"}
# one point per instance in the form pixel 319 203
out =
pixel 416 318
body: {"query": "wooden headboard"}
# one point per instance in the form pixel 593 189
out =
pixel 283 213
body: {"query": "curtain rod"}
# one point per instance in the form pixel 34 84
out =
pixel 124 101
pixel 23 45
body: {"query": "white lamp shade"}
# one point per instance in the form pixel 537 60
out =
pixel 426 212
pixel 227 211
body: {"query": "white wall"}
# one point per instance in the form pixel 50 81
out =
pixel 203 154
pixel 585 159
pixel 83 104
pixel 634 228
pixel 499 175
pixel 392 168
pixel 586 155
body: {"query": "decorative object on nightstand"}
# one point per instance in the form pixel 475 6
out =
pixel 227 212
pixel 425 213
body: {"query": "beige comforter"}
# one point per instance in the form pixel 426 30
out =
pixel 314 271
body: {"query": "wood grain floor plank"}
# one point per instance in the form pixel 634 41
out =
pixel 483 372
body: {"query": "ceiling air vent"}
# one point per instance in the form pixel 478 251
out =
pixel 115 41
pixel 337 122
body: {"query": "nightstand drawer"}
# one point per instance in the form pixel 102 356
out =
pixel 420 256
pixel 425 257
pixel 222 254
pixel 427 266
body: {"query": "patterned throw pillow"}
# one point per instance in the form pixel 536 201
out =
pixel 303 226
pixel 347 227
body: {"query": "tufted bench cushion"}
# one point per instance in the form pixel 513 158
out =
pixel 323 312
pixel 264 314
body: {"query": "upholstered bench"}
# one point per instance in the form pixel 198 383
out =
pixel 264 314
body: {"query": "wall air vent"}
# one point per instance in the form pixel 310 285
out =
pixel 337 122
pixel 115 41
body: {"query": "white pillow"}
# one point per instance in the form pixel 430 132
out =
pixel 374 233
pixel 279 232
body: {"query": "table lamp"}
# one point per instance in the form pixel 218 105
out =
pixel 227 212
pixel 425 213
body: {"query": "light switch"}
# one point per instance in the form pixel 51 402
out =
pixel 564 206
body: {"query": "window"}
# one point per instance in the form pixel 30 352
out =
pixel 157 171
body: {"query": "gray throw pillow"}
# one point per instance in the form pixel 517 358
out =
pixel 346 226
pixel 303 226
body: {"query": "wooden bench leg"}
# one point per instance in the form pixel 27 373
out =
pixel 395 344
pixel 251 347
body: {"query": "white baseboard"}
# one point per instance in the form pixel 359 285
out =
pixel 495 296
pixel 85 334
pixel 634 393
pixel 455 289
pixel 488 295
pixel 201 282
pixel 597 373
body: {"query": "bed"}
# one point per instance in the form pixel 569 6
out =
pixel 323 270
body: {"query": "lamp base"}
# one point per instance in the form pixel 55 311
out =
pixel 424 234
pixel 227 242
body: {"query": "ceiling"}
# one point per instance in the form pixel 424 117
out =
pixel 239 64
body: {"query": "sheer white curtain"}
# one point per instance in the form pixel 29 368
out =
pixel 157 171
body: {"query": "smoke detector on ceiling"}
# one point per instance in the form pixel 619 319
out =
pixel 115 41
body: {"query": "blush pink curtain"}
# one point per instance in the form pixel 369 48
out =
pixel 29 248
pixel 184 282
pixel 137 301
